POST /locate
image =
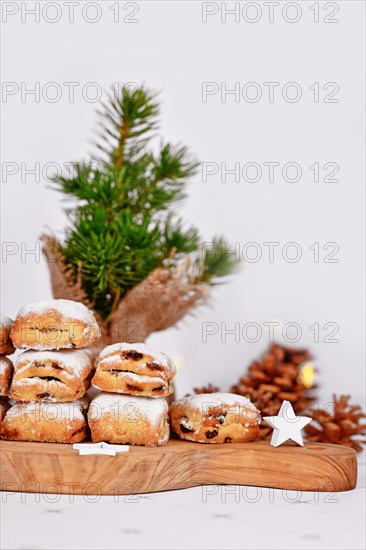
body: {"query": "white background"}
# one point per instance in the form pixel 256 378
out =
pixel 172 50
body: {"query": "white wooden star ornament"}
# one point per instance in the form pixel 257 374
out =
pixel 102 448
pixel 286 425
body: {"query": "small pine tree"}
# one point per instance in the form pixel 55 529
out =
pixel 121 208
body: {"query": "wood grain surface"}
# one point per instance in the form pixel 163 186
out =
pixel 56 468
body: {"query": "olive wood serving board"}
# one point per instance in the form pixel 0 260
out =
pixel 56 468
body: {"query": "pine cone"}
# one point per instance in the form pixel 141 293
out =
pixel 207 389
pixel 338 426
pixel 275 378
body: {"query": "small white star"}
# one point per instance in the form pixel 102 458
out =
pixel 287 425
pixel 102 448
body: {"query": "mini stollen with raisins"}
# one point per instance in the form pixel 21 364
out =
pixel 53 325
pixel 6 345
pixel 134 369
pixel 46 422
pixel 215 418
pixel 52 376
pixel 6 374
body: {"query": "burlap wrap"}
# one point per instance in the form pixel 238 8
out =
pixel 157 303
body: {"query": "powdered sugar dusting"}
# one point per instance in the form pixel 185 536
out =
pixel 127 405
pixel 67 308
pixel 5 364
pixel 49 411
pixel 157 356
pixel 74 361
pixel 211 399
pixel 110 359
pixel 44 347
pixel 143 379
pixel 5 321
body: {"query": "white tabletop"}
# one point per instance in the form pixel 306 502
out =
pixel 217 517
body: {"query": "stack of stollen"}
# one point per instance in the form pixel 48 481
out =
pixel 56 369
pixel 6 366
pixel 132 407
pixel 53 373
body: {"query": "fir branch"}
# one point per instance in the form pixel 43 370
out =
pixel 124 121
pixel 122 222
pixel 219 262
pixel 179 240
